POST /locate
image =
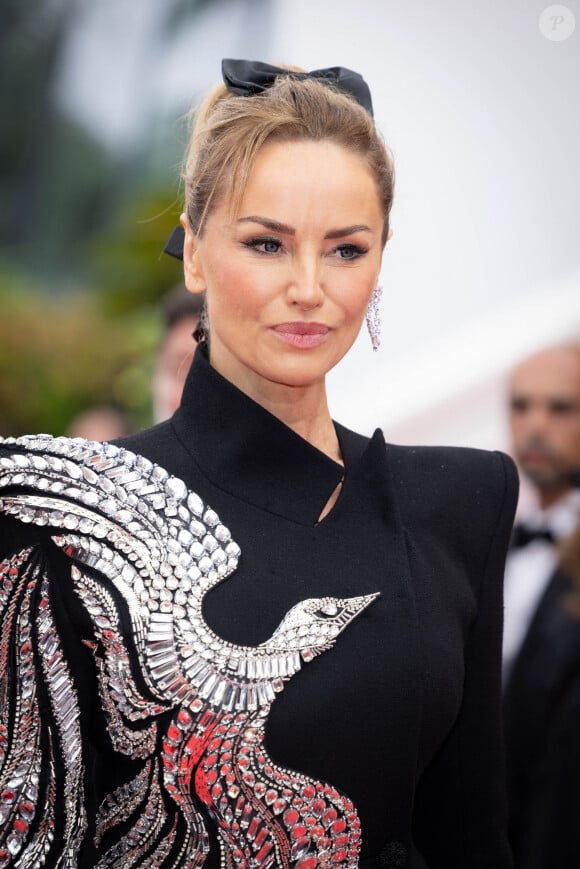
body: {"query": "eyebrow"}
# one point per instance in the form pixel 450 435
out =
pixel 275 226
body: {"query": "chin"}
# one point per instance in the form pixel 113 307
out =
pixel 301 372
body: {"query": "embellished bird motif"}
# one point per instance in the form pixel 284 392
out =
pixel 186 704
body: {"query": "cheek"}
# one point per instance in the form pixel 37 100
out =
pixel 234 292
pixel 356 302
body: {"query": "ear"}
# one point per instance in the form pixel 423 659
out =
pixel 192 270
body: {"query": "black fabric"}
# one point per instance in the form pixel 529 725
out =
pixel 248 77
pixel 403 712
pixel 174 244
pixel 523 534
pixel 541 713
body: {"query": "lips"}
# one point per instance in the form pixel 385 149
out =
pixel 302 335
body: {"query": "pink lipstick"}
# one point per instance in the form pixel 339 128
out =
pixel 305 336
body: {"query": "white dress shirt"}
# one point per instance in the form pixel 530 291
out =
pixel 529 569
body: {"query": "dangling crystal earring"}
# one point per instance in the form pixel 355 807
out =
pixel 373 317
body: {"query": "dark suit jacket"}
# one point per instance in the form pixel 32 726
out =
pixel 542 727
pixel 403 712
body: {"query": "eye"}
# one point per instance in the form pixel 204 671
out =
pixel 349 251
pixel 562 407
pixel 328 610
pixel 519 405
pixel 264 245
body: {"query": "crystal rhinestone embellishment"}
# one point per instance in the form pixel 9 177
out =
pixel 145 551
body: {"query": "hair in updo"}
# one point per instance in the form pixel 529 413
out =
pixel 230 130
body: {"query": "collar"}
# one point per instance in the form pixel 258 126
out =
pixel 249 453
pixel 561 518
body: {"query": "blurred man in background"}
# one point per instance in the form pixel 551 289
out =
pixel 99 423
pixel 542 633
pixel 181 316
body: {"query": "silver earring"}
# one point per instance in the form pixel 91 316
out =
pixel 373 317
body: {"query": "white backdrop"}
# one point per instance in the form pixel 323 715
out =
pixel 481 111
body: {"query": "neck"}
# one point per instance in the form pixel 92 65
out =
pixel 549 497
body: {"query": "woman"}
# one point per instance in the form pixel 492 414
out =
pixel 164 597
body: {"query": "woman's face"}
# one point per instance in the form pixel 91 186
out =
pixel 288 278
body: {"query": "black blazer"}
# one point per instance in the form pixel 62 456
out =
pixel 541 714
pixel 403 712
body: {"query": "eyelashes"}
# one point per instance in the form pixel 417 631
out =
pixel 350 251
pixel 264 245
pixel 269 246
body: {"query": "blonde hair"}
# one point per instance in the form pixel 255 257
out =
pixel 230 130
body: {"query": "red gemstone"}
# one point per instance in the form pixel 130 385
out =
pixel 206 718
pixel 262 835
pixel 291 817
pixel 298 830
pixel 20 826
pixel 184 717
pixel 339 855
pixel 318 806
pixel 263 852
pixel 308 792
pixel 329 816
pixel 307 863
pixel 339 826
pixel 174 732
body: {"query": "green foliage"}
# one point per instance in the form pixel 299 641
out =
pixel 82 228
pixel 127 260
pixel 60 355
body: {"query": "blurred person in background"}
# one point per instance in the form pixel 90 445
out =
pixel 181 313
pixel 542 634
pixel 248 636
pixel 101 423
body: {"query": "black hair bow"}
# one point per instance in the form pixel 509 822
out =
pixel 249 77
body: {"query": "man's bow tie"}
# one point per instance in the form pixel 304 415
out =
pixel 522 535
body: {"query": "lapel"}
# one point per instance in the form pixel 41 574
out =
pixel 544 632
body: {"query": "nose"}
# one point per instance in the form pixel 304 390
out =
pixel 531 421
pixel 538 419
pixel 305 286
